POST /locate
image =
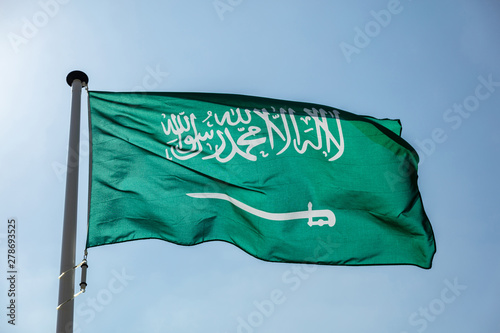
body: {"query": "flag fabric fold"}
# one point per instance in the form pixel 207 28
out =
pixel 284 181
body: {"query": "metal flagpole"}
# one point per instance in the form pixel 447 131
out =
pixel 76 80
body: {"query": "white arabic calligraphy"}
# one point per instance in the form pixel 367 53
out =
pixel 238 132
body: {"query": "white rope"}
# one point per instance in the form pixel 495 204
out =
pixel 75 267
pixel 72 298
pixel 83 285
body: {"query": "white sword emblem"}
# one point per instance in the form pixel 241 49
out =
pixel 308 214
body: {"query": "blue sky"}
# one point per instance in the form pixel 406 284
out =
pixel 434 65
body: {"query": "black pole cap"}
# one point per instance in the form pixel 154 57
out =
pixel 77 75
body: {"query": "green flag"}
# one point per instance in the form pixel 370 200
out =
pixel 284 181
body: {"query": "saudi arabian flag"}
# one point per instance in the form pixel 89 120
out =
pixel 284 181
